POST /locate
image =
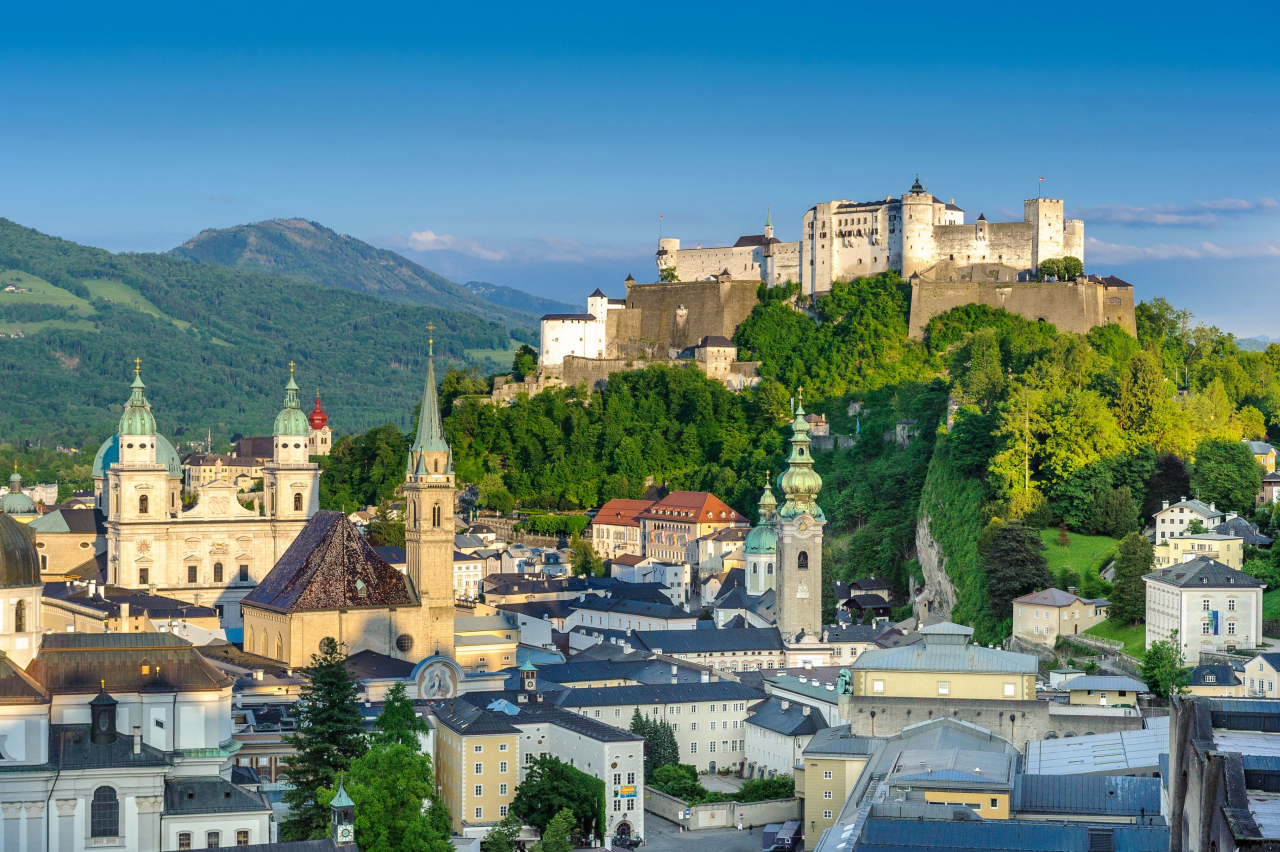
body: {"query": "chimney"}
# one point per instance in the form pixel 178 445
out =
pixel 706 677
pixel 715 678
pixel 137 739
pixel 1182 499
pixel 804 711
pixel 1164 505
pixel 93 588
pixel 1211 507
pixel 785 705
pixel 124 617
pixel 257 674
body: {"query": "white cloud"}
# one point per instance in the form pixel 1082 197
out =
pixel 1097 250
pixel 431 241
pixel 1202 214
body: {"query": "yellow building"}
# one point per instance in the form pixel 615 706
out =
pixel 1105 691
pixel 485 643
pixel 833 762
pixel 850 641
pixel 945 665
pixel 979 780
pixel 477 763
pixel 1264 454
pixel 1261 675
pixel 67 538
pixel 1042 616
pixel 1227 549
pixel 202 468
pixel 1215 682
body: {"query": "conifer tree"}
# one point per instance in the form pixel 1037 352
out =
pixel 1134 558
pixel 399 722
pixel 329 737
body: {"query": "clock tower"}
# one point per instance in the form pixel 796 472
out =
pixel 342 815
pixel 799 523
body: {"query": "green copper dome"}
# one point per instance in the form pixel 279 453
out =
pixel 763 537
pixel 291 421
pixel 800 483
pixel 137 419
pixel 15 502
pixel 109 454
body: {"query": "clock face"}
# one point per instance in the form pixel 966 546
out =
pixel 344 832
pixel 803 524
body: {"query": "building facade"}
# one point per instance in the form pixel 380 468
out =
pixel 947 667
pixel 759 257
pixel 1208 604
pixel 1173 520
pixel 615 529
pixel 671 527
pixel 800 522
pixel 1043 616
pixel 1227 549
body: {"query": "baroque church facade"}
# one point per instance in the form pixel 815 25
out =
pixel 214 552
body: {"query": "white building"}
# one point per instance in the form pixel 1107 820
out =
pixel 757 256
pixel 468 575
pixel 1172 520
pixel 1210 605
pixel 583 335
pixel 615 529
pixel 676 576
pixel 610 613
pixel 777 734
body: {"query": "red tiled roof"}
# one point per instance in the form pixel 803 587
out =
pixel 692 507
pixel 622 513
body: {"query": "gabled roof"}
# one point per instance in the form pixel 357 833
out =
pixel 1199 507
pixel 78 662
pixel 704 641
pixel 470 720
pixel 1245 530
pixel 18 687
pixel 657 693
pixel 571 317
pixel 749 240
pixel 791 722
pixel 852 633
pixel 1203 572
pixel 1260 448
pixel 693 507
pixel 331 566
pixel 1049 597
pixel 75 521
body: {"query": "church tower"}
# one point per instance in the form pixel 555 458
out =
pixel 799 523
pixel 761 547
pixel 291 481
pixel 428 529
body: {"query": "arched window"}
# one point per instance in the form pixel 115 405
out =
pixel 802 560
pixel 437 465
pixel 297 502
pixel 265 647
pixel 755 567
pixel 217 572
pixel 143 508
pixel 104 813
pixel 769 568
pixel 248 641
pixel 435 515
pixel 279 647
pixel 20 617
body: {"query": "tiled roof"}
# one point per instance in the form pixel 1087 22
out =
pixel 591 728
pixel 703 641
pixel 621 513
pixel 693 507
pixel 209 795
pixel 626 606
pixel 1260 448
pixel 791 722
pixel 109 600
pixel 928 657
pixel 78 662
pixel 331 566
pixel 852 633
pixel 1203 572
pixel 749 241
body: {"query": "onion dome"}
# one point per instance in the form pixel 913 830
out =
pixel 109 454
pixel 291 421
pixel 800 483
pixel 317 418
pixel 19 562
pixel 137 419
pixel 916 187
pixel 763 537
pixel 15 502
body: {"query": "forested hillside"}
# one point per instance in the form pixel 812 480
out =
pixel 309 251
pixel 510 297
pixel 215 343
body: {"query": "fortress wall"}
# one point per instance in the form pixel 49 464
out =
pixel 1070 305
pixel 699 264
pixel 1012 240
pixel 592 370
pixel 679 315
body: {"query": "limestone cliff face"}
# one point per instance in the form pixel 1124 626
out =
pixel 934 565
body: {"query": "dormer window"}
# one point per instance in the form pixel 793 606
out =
pixel 1210 678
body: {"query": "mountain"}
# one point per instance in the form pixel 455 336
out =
pixel 510 297
pixel 215 343
pixel 309 251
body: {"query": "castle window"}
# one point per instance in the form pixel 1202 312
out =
pixel 802 560
pixel 191 573
pixel 297 502
pixel 20 617
pixel 143 508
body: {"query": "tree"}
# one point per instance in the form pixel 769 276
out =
pixel 1226 473
pixel 1013 558
pixel 763 789
pixel 1170 481
pixel 979 376
pixel 399 722
pixel 665 750
pixel 1162 669
pixel 1064 539
pixel 559 834
pixel 329 735
pixel 525 362
pixel 386 529
pixel 586 562
pixel 1196 527
pixel 1134 558
pixel 504 836
pixel 669 275
pixel 397 808
pixel 1072 267
pixel 551 786
pixel 1113 513
pixel 494 494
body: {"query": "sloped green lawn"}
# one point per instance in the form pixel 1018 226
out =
pixel 1083 553
pixel 1134 638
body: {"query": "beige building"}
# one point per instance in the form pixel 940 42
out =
pixel 85 607
pixel 1043 616
pixel 485 643
pixel 670 528
pixel 477 763
pixel 833 762
pixel 945 666
pixel 67 538
pixel 615 530
pixel 202 468
pixel 1216 681
pixel 1210 605
pixel 1227 549
pixel 1104 690
pixel 1261 675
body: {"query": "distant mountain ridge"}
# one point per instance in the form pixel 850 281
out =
pixel 298 248
pixel 510 297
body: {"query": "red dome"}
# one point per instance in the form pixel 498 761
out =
pixel 317 417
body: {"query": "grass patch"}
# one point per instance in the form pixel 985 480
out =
pixel 1085 552
pixel 1271 604
pixel 1133 637
pixel 29 328
pixel 39 292
pixel 502 356
pixel 122 294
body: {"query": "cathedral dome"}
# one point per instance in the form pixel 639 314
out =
pixel 291 421
pixel 19 563
pixel 137 419
pixel 763 539
pixel 15 502
pixel 109 454
pixel 318 418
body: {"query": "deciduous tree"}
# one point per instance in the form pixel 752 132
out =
pixel 1134 558
pixel 1226 473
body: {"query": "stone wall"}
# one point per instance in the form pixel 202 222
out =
pixel 1074 306
pixel 661 317
pixel 996 242
pixel 591 370
pixel 720 814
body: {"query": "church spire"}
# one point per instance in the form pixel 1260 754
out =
pixel 800 483
pixel 430 429
pixel 137 418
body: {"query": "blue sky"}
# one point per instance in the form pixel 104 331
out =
pixel 535 145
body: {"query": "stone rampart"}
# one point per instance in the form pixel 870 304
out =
pixel 674 316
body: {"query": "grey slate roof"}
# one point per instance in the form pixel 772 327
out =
pixel 841 741
pixel 209 795
pixel 576 722
pixel 852 633
pixel 1259 448
pixel 1245 530
pixel 1086 795
pixel 1097 683
pixel 791 722
pixel 1099 754
pixel 325 844
pixel 701 641
pixel 1222 676
pixel 1203 572
pixel 1006 835
pixel 472 720
pixel 927 657
pixel 1202 508
pixel 627 606
pixel 1049 597
pixel 78 521
pixel 952 766
pixel 671 693
pixel 70 748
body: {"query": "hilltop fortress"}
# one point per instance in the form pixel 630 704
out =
pixel 705 293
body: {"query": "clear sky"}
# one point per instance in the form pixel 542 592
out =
pixel 535 145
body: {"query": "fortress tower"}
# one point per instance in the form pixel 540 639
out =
pixel 1048 226
pixel 428 529
pixel 919 249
